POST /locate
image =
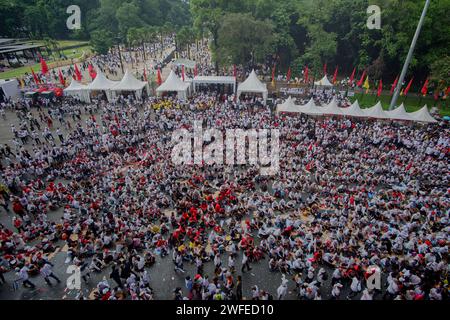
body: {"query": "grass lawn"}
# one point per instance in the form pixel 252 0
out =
pixel 412 102
pixel 75 53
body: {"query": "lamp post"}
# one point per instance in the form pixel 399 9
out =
pixel 409 56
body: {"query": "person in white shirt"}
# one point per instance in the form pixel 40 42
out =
pixel 47 273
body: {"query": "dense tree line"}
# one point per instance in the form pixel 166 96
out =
pixel 290 33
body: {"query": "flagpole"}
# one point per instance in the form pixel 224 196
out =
pixel 409 56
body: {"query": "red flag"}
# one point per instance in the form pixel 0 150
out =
pixel 158 77
pixel 44 67
pixel 350 81
pixel 306 74
pixel 145 75
pixel 408 86
pixel 273 73
pixel 380 88
pixel 78 73
pixel 288 76
pixel 424 90
pixel 447 92
pixel 35 77
pixel 182 72
pixel 325 69
pixel 234 71
pixel 394 85
pixel 61 78
pixel 92 72
pixel 335 75
pixel 195 70
pixel 361 81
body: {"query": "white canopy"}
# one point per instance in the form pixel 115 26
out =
pixel 399 114
pixel 101 83
pixel 423 115
pixel 311 108
pixel 324 82
pixel 130 83
pixel 78 90
pixel 253 85
pixel 354 110
pixel 288 106
pixel 214 80
pixel 376 112
pixel 332 108
pixel 173 83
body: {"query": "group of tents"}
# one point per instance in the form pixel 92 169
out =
pixel 102 84
pixel 354 110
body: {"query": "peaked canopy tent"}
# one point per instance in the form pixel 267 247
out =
pixel 324 82
pixel 354 110
pixel 253 85
pixel 423 115
pixel 174 84
pixel 130 83
pixel 199 80
pixel 311 108
pixel 376 112
pixel 78 90
pixel 101 83
pixel 288 106
pixel 332 108
pixel 399 113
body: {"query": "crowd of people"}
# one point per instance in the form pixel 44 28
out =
pixel 349 194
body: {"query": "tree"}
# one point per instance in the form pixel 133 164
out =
pixel 101 41
pixel 128 17
pixel 440 71
pixel 184 39
pixel 244 40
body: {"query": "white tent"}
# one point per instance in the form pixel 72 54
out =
pixel 422 115
pixel 174 84
pixel 10 88
pixel 332 108
pixel 311 108
pixel 198 80
pixel 354 110
pixel 101 83
pixel 324 82
pixel 399 113
pixel 130 83
pixel 288 106
pixel 78 90
pixel 253 85
pixel 376 112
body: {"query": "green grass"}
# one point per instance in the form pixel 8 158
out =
pixel 412 102
pixel 54 61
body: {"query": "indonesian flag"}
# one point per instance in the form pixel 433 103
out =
pixel 424 90
pixel 380 88
pixel 325 69
pixel 158 77
pixel 361 81
pixel 352 77
pixel 78 73
pixel 394 85
pixel 408 86
pixel 61 78
pixel 335 75
pixel 306 74
pixel 195 70
pixel 288 76
pixel 145 75
pixel 44 67
pixel 35 77
pixel 182 72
